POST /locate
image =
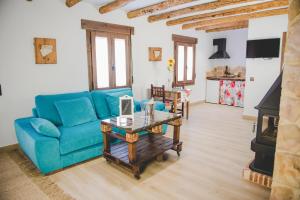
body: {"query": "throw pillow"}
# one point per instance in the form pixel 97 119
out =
pixel 76 111
pixel 113 104
pixel 45 127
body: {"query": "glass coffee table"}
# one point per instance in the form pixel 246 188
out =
pixel 135 151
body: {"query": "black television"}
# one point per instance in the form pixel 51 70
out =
pixel 265 48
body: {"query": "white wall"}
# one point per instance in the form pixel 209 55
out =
pixel 235 46
pixel 264 71
pixel 22 79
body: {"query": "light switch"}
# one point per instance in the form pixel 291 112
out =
pixel 251 78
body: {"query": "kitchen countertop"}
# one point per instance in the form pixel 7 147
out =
pixel 225 78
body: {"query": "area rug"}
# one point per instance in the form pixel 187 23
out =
pixel 44 183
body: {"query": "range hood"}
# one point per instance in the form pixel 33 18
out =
pixel 221 52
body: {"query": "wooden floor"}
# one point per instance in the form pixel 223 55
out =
pixel 216 147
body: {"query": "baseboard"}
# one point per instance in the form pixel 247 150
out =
pixel 197 102
pixel 9 147
pixel 249 117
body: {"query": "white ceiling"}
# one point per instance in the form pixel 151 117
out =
pixel 142 3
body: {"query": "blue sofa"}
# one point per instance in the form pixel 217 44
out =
pixel 75 144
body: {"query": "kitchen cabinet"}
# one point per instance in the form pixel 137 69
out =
pixel 226 92
pixel 212 91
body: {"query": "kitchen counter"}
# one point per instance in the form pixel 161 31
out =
pixel 225 78
pixel 225 90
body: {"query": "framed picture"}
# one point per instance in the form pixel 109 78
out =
pixel 45 51
pixel 155 53
pixel 126 106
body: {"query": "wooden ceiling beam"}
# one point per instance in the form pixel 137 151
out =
pixel 71 3
pixel 156 7
pixel 229 28
pixel 228 12
pixel 200 7
pixel 113 6
pixel 224 25
pixel 267 13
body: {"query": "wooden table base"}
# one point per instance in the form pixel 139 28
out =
pixel 148 148
pixel 134 151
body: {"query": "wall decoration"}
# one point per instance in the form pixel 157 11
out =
pixel 45 51
pixel 155 53
pixel 171 63
pixel 170 67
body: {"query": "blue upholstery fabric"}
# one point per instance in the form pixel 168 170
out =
pixel 137 105
pixel 158 105
pixel 46 108
pixel 44 127
pixel 113 102
pixel 76 111
pixel 75 144
pixel 99 98
pixel 81 155
pixel 34 112
pixel 79 137
pixel 42 150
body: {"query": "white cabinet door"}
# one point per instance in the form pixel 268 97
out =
pixel 212 91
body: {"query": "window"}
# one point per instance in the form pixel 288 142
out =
pixel 109 54
pixel 185 51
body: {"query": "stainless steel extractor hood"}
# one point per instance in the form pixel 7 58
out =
pixel 221 52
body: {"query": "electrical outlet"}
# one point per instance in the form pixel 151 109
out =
pixel 251 78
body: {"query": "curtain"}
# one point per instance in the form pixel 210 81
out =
pixel 232 93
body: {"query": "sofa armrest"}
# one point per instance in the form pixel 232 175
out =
pixel 137 105
pixel 42 150
pixel 34 112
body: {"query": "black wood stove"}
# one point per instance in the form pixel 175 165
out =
pixel 266 130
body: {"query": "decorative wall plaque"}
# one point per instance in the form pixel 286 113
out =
pixel 45 51
pixel 155 53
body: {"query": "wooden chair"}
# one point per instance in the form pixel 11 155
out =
pixel 179 108
pixel 158 93
pixel 180 104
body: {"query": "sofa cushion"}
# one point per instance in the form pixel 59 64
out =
pixel 46 108
pixel 113 104
pixel 76 111
pixel 99 98
pixel 158 105
pixel 44 127
pixel 79 137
